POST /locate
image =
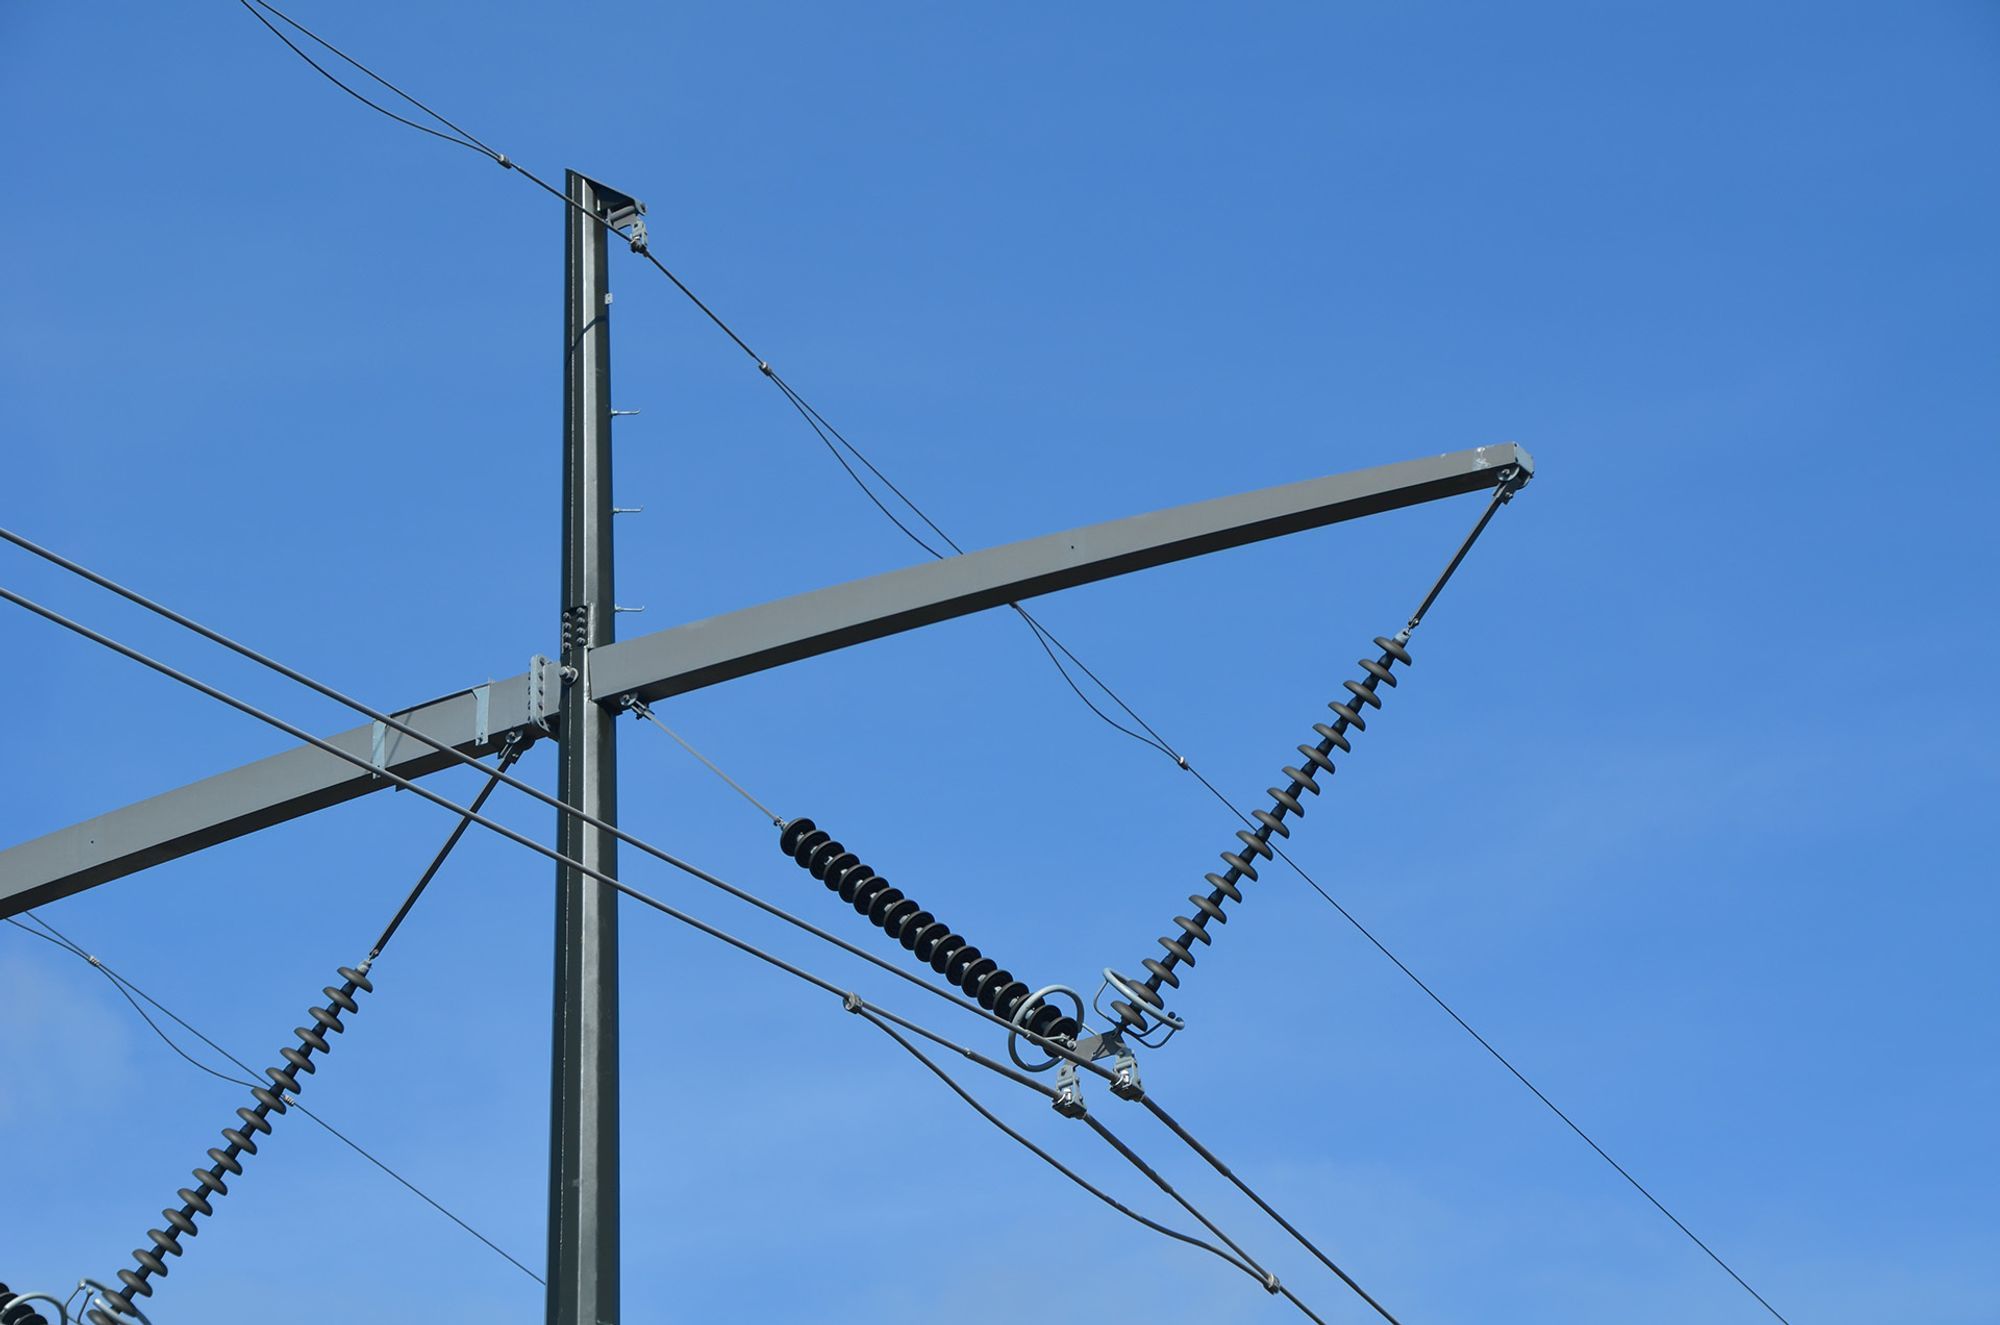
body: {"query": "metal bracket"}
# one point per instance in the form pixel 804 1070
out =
pixel 482 706
pixel 1125 1066
pixel 544 691
pixel 622 210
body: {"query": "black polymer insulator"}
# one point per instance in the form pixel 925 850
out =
pixel 13 1312
pixel 227 1160
pixel 928 939
pixel 1316 761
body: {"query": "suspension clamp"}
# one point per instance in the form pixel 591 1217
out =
pixel 1069 1092
pixel 622 210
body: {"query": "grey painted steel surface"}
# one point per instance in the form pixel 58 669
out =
pixel 671 662
pixel 241 801
pixel 583 1077
pixel 685 658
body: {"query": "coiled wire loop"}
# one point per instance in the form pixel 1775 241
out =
pixel 1146 1004
pixel 226 1160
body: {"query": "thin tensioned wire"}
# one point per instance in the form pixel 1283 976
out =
pixel 470 138
pixel 645 711
pixel 1153 1107
pixel 128 989
pixel 463 140
pixel 1064 1169
pixel 821 426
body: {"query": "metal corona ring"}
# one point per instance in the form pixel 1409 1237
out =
pixel 922 933
pixel 16 1309
pixel 1242 862
pixel 209 1181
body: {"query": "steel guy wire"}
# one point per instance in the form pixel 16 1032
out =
pixel 423 793
pixel 813 417
pixel 127 988
pixel 645 711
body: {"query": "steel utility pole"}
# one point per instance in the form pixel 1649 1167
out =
pixel 583 1111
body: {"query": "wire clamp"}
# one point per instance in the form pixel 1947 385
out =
pixel 1069 1092
pixel 852 1002
pixel 622 210
pixel 1125 1076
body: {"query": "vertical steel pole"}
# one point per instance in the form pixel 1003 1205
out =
pixel 583 1150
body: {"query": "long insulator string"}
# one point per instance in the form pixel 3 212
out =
pixel 1145 999
pixel 239 1141
pixel 926 937
pixel 224 1161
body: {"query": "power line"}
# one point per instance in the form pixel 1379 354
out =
pixel 471 815
pixel 462 139
pixel 1263 1280
pixel 396 779
pixel 1153 739
pixel 818 422
pixel 828 434
pixel 1153 1107
pixel 127 988
pixel 423 793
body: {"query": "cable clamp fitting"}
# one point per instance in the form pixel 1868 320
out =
pixel 852 1002
pixel 1069 1092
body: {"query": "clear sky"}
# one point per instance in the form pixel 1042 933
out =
pixel 1686 803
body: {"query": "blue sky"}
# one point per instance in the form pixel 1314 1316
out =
pixel 1681 804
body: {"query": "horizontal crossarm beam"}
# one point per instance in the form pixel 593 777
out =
pixel 270 791
pixel 671 662
pixel 689 657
